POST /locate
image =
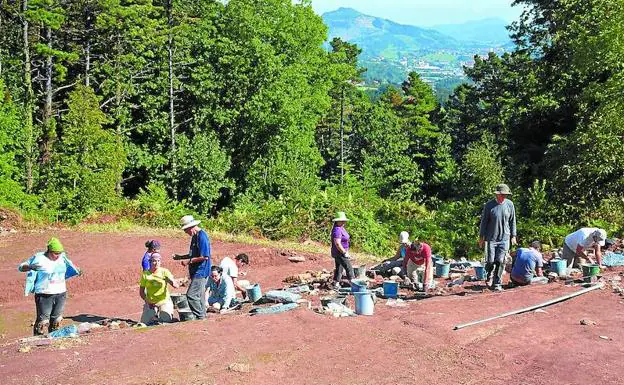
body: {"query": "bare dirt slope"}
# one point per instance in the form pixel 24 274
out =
pixel 398 345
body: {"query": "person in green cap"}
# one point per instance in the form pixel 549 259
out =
pixel 47 272
pixel 496 232
pixel 340 241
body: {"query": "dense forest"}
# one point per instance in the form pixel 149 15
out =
pixel 234 111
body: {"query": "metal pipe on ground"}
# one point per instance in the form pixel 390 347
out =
pixel 530 308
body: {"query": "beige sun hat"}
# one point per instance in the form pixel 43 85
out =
pixel 341 217
pixel 188 221
pixel 502 189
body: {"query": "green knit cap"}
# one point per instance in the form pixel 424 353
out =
pixel 55 246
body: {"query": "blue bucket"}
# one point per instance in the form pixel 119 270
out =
pixel 358 285
pixel 391 289
pixel 364 304
pixel 254 293
pixel 442 269
pixel 480 273
pixel 559 266
pixel 437 258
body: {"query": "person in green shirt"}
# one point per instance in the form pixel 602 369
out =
pixel 153 289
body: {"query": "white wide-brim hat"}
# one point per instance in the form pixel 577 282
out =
pixel 404 237
pixel 188 221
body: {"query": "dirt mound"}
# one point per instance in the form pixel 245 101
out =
pixel 10 220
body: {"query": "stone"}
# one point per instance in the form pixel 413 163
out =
pixel 239 367
pixel 588 322
pixel 296 259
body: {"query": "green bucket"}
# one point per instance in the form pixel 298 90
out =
pixel 590 270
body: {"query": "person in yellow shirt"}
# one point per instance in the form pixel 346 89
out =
pixel 153 289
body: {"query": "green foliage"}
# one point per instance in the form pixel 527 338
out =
pixel 88 162
pixel 202 166
pixel 153 207
pixel 262 112
pixel 481 170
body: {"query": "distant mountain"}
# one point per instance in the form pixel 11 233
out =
pixel 486 31
pixel 382 37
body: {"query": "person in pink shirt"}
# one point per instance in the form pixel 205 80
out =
pixel 417 255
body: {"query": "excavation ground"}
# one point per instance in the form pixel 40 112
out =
pixel 414 344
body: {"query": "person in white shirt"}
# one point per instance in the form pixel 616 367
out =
pixel 579 242
pixel 47 272
pixel 231 266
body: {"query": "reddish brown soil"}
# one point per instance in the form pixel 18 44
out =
pixel 404 345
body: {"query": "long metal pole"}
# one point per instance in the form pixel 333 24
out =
pixel 526 309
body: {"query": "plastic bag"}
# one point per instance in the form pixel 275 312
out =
pixel 68 331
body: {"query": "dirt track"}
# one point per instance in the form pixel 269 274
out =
pixel 405 345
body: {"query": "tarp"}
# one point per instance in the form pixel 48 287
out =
pixel 613 259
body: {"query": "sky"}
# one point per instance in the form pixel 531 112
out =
pixel 425 12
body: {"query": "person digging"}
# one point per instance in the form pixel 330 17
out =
pixel 153 289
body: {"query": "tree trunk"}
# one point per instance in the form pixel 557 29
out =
pixel 28 102
pixel 3 35
pixel 50 132
pixel 171 105
pixel 87 47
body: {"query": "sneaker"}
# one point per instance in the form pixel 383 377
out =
pixel 497 288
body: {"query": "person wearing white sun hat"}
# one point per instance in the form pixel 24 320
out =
pixel 340 242
pixel 199 264
pixel 576 245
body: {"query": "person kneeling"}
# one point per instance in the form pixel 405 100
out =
pixel 528 266
pixel 154 291
pixel 221 290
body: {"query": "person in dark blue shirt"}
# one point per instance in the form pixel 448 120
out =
pixel 199 264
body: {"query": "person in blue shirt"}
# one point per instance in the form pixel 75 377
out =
pixel 528 265
pixel 199 264
pixel 153 246
pixel 221 290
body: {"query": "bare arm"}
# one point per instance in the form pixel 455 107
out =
pixel 173 282
pixel 142 293
pixel 598 252
pixel 237 285
pixel 580 251
pixel 339 246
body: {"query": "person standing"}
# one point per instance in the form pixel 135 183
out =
pixel 47 273
pixel 199 264
pixel 153 289
pixel 340 242
pixel 577 244
pixel 528 265
pixel 496 231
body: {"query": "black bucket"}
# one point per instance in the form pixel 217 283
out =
pixel 186 315
pixel 179 301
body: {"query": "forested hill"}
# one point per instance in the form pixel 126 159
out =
pixel 379 37
pixel 145 111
